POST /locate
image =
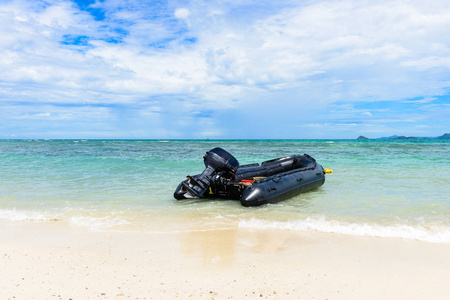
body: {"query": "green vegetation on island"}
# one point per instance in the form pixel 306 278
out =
pixel 445 136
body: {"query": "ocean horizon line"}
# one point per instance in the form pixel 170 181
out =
pixel 221 139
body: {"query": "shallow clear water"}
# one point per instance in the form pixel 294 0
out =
pixel 378 187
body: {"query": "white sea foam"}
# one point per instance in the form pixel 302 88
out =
pixel 22 215
pixel 433 234
pixel 96 223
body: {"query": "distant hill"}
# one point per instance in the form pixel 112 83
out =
pixel 402 137
pixel 445 136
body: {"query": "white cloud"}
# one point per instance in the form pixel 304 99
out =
pixel 421 101
pixel 337 41
pixel 182 13
pixel 35 116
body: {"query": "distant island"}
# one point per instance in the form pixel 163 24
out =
pixel 445 136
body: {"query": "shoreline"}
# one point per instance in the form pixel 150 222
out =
pixel 52 260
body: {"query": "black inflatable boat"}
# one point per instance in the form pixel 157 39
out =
pixel 272 181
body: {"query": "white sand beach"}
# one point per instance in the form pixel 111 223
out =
pixel 51 260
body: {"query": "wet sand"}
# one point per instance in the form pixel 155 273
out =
pixel 51 260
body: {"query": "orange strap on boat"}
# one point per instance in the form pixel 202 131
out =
pixel 246 181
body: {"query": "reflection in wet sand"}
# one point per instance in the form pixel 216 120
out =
pixel 208 248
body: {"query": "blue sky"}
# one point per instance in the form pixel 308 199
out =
pixel 224 69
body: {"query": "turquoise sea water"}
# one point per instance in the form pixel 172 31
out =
pixel 390 188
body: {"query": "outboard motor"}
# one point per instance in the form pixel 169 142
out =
pixel 219 164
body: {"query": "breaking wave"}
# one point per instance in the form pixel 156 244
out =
pixel 15 215
pixel 93 223
pixel 432 234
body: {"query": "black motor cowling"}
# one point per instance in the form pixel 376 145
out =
pixel 217 161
